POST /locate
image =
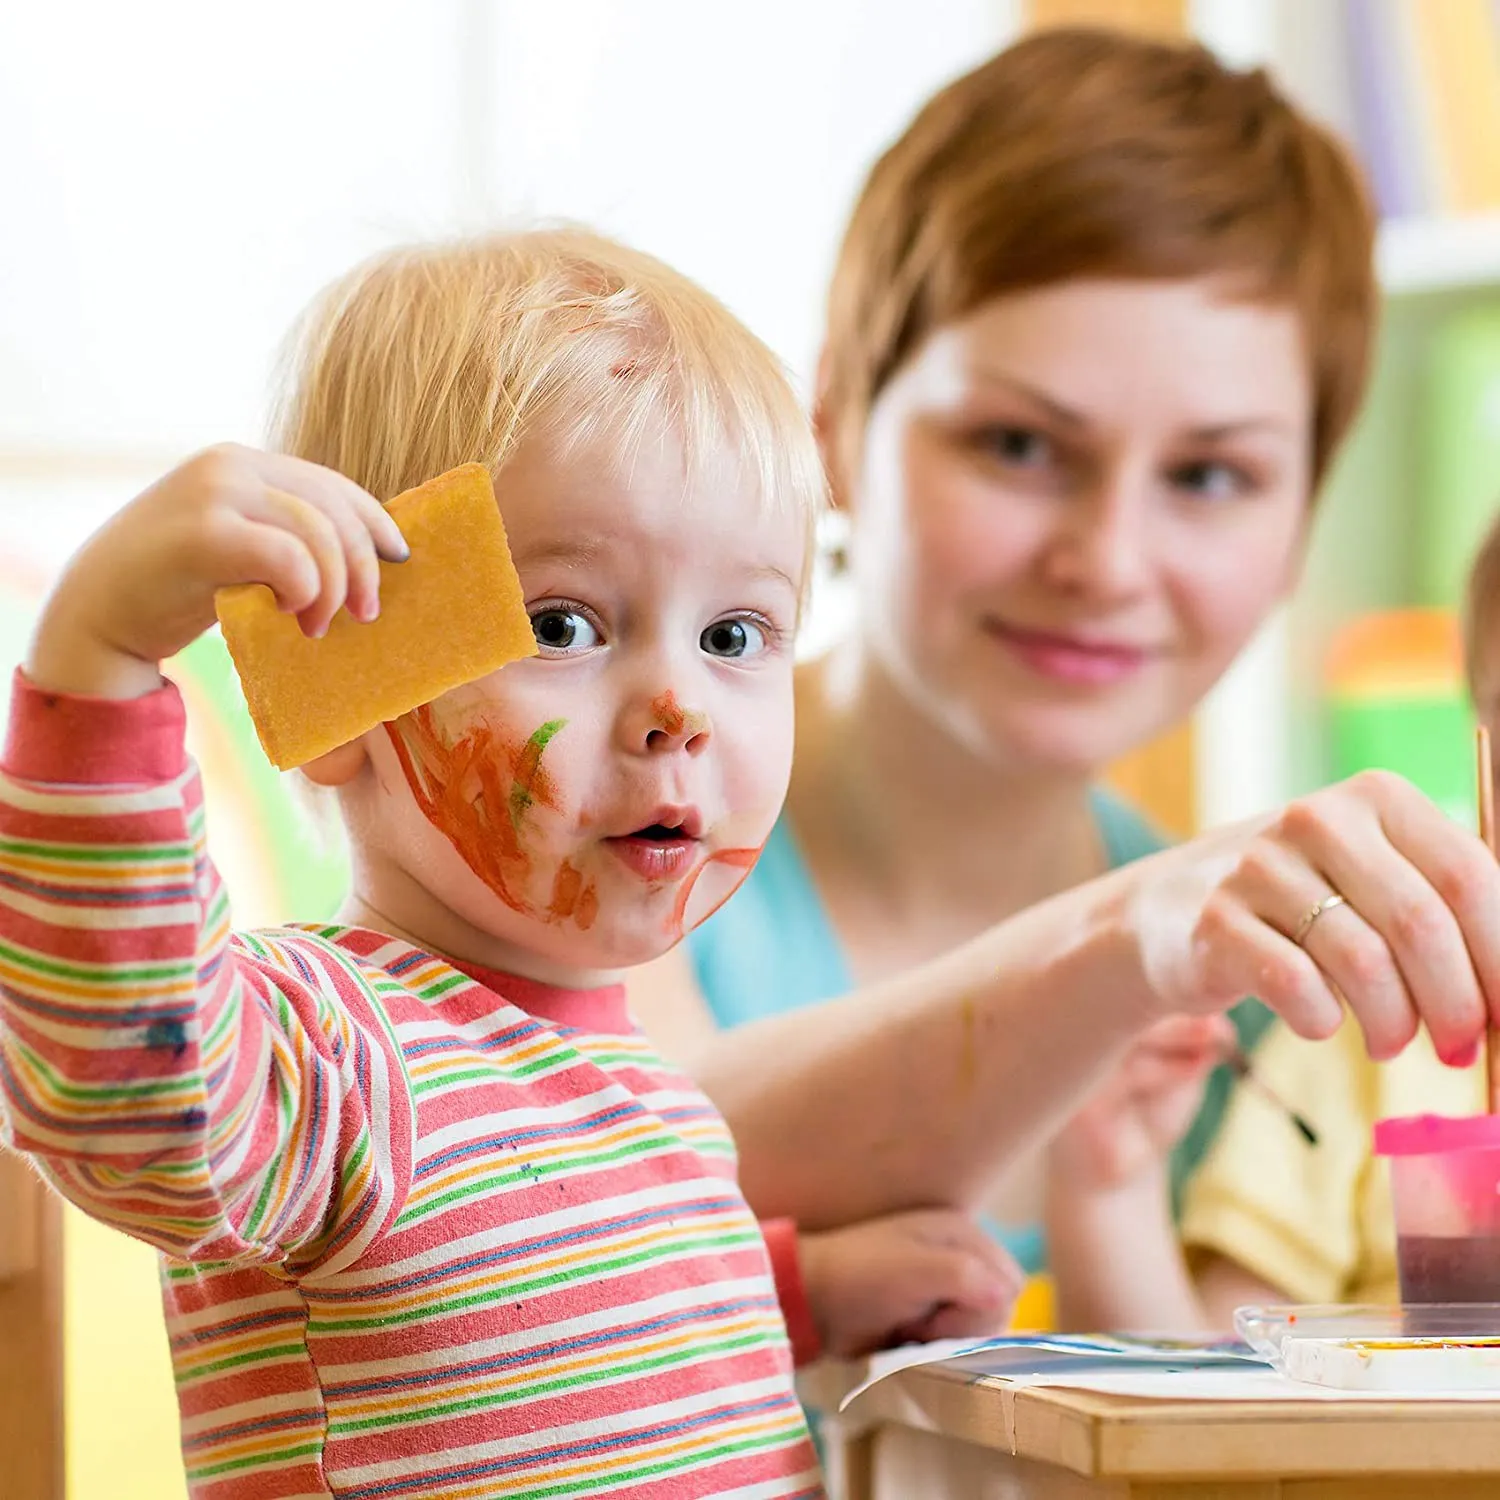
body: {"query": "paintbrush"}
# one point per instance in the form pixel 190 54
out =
pixel 1484 796
pixel 1239 1064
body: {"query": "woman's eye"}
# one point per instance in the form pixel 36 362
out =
pixel 733 638
pixel 1020 446
pixel 1213 481
pixel 563 630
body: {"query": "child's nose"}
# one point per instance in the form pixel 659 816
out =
pixel 668 725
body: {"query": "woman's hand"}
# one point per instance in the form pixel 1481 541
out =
pixel 142 587
pixel 906 1278
pixel 1415 940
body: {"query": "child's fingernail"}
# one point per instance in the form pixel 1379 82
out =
pixel 396 554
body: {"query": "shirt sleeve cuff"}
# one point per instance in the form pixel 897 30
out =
pixel 786 1267
pixel 73 741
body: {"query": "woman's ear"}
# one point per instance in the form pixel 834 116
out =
pixel 338 767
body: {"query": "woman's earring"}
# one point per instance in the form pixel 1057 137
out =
pixel 833 541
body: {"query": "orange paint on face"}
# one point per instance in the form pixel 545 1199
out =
pixel 573 898
pixel 476 791
pixel 675 719
pixel 743 858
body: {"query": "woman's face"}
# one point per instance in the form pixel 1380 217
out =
pixel 1075 506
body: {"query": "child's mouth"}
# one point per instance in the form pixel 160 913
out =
pixel 659 851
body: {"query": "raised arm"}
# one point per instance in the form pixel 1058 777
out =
pixel 216 1099
pixel 213 1100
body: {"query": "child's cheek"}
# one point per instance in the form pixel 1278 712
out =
pixel 487 790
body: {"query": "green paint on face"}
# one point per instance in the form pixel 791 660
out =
pixel 527 767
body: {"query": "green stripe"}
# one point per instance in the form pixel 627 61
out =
pixel 209 1471
pixel 508 1178
pixel 781 1438
pixel 98 973
pixel 551 1387
pixel 143 1090
pixel 498 1069
pixel 234 1361
pixel 98 854
pixel 509 1290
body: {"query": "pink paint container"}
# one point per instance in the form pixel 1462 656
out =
pixel 1445 1183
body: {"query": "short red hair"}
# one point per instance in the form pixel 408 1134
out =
pixel 1090 153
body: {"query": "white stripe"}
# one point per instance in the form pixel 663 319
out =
pixel 511 1446
pixel 679 1299
pixel 650 1195
pixel 58 800
pixel 109 916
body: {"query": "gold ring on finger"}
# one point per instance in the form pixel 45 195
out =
pixel 1315 911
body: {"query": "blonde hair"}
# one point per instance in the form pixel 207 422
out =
pixel 435 355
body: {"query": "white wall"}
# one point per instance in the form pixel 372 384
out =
pixel 178 178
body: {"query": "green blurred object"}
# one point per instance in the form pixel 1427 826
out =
pixel 1397 702
pixel 1460 450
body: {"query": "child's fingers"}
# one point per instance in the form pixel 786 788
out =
pixel 320 537
pixel 334 491
pixel 276 557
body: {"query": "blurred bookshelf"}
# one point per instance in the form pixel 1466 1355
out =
pixel 1414 85
pixel 1440 253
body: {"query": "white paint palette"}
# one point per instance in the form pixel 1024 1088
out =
pixel 1412 1349
pixel 1401 1364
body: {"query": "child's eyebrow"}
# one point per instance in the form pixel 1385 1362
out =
pixel 572 552
pixel 771 571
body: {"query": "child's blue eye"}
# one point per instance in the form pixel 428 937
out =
pixel 563 630
pixel 738 637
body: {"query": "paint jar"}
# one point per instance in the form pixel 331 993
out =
pixel 1445 1184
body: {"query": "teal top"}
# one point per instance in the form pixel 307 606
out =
pixel 772 949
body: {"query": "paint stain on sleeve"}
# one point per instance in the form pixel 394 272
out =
pixel 167 1036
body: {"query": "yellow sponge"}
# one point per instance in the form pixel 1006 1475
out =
pixel 452 613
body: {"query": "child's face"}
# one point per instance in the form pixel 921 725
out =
pixel 587 807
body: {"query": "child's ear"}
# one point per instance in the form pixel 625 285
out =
pixel 337 767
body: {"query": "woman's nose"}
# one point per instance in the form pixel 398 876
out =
pixel 1102 543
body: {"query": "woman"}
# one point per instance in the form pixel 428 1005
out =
pixel 1100 321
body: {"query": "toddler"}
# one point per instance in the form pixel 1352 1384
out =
pixel 436 1220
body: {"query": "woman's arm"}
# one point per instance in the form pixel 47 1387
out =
pixel 910 1093
pixel 913 1091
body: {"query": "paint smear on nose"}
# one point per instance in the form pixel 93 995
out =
pixel 476 790
pixel 669 715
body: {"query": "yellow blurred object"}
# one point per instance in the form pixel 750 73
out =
pixel 122 1438
pixel 1396 651
pixel 1162 18
pixel 1158 780
pixel 1036 1307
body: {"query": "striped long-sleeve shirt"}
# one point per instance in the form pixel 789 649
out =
pixel 426 1232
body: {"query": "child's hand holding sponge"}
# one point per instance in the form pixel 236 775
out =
pixel 451 614
pixel 292 557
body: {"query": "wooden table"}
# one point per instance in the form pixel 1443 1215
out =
pixel 938 1432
